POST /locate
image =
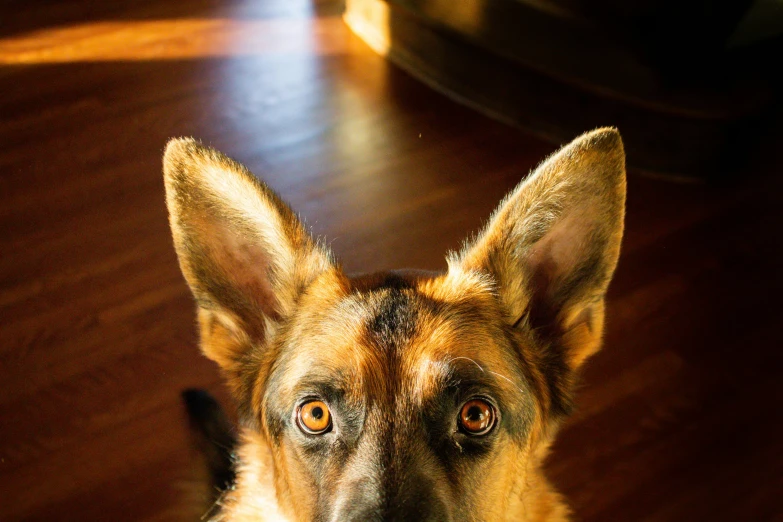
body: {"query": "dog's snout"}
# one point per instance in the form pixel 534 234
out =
pixel 418 501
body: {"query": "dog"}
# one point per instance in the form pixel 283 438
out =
pixel 404 395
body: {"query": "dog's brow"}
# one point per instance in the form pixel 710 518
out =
pixel 461 371
pixel 448 372
pixel 325 386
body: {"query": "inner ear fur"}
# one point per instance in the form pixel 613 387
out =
pixel 242 250
pixel 553 244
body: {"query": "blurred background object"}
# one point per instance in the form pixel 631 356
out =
pixel 689 83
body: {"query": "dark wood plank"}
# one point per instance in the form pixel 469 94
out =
pixel 679 416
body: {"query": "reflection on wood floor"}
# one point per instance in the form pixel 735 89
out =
pixel 679 415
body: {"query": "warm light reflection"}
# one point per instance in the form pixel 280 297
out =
pixel 370 22
pixel 175 39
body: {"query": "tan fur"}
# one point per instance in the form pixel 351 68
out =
pixel 517 313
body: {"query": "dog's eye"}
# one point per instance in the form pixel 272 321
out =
pixel 477 417
pixel 314 417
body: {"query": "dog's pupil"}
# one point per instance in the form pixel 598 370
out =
pixel 317 413
pixel 474 413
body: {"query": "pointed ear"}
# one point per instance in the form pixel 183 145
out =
pixel 243 252
pixel 553 243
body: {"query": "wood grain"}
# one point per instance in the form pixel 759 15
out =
pixel 679 415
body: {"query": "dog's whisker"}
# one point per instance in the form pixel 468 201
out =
pixel 467 359
pixel 509 380
pixel 217 503
pixel 490 371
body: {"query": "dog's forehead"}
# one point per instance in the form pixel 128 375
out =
pixel 412 330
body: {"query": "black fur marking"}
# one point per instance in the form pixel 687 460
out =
pixel 395 281
pixel 394 320
pixel 213 435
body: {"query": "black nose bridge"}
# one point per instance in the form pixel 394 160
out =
pixel 390 471
pixel 389 484
pixel 414 500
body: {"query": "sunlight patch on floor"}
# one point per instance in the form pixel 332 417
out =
pixel 175 39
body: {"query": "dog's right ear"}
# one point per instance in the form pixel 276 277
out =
pixel 243 252
pixel 552 246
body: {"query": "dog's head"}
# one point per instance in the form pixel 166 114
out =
pixel 405 395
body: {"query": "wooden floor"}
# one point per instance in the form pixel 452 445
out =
pixel 680 415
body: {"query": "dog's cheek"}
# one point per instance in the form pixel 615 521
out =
pixel 494 482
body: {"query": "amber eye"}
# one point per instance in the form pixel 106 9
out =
pixel 314 417
pixel 477 417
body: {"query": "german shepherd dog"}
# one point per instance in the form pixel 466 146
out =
pixel 402 395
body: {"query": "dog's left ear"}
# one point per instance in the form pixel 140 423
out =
pixel 552 245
